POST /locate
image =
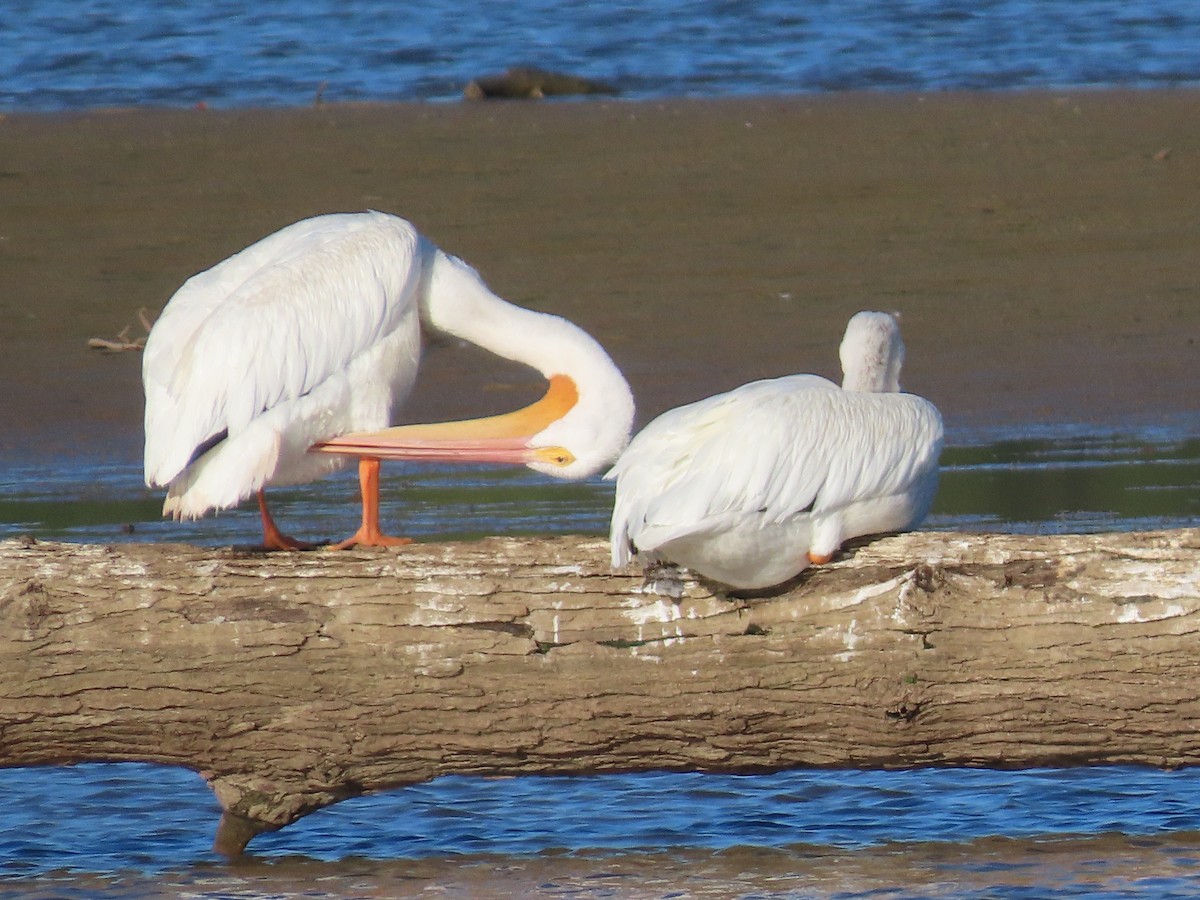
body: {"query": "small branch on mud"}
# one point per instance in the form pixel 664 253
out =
pixel 123 341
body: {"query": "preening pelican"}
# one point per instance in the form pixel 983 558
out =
pixel 751 486
pixel 276 365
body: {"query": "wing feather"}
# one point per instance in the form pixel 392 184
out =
pixel 701 462
pixel 270 324
pixel 771 449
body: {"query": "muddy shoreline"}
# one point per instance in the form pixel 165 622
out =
pixel 1041 247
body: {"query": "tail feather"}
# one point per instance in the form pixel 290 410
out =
pixel 221 478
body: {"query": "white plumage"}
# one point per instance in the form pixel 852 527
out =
pixel 314 333
pixel 748 487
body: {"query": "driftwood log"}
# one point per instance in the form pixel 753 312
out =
pixel 292 681
pixel 528 83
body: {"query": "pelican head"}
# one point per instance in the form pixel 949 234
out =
pixel 872 353
pixel 590 432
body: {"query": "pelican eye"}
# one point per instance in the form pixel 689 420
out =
pixel 556 456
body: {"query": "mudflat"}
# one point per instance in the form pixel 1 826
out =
pixel 1041 247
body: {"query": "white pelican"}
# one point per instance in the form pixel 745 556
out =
pixel 272 366
pixel 749 487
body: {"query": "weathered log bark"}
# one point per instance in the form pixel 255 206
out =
pixel 292 681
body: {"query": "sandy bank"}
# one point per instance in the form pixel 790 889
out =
pixel 1041 247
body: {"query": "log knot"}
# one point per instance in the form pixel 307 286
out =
pixel 928 578
pixel 1030 573
pixel 29 608
pixel 905 711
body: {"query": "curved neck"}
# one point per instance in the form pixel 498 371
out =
pixel 870 379
pixel 871 353
pixel 456 301
pixel 595 424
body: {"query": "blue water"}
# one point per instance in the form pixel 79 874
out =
pixel 62 54
pixel 89 817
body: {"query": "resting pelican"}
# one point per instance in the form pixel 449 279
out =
pixel 749 487
pixel 273 366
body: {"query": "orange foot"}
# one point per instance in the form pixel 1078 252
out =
pixel 368 534
pixel 280 541
pixel 819 559
pixel 273 538
pixel 370 538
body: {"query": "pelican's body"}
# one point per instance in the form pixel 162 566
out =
pixel 748 487
pixel 258 367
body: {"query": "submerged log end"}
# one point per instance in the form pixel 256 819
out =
pixel 234 832
pixel 252 805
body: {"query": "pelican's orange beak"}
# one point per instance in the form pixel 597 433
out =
pixel 503 439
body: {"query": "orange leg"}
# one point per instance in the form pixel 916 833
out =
pixel 819 559
pixel 273 538
pixel 368 534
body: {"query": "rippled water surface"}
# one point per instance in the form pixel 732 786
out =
pixel 1040 485
pixel 124 830
pixel 61 54
pixel 1081 483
